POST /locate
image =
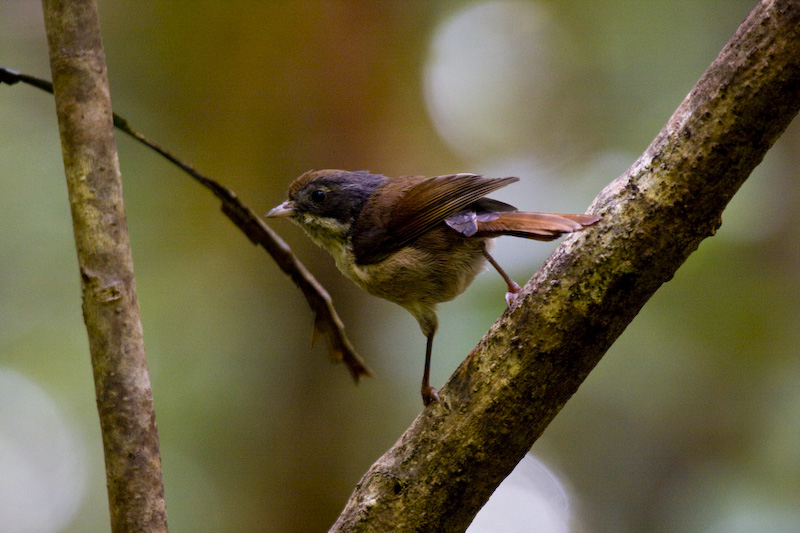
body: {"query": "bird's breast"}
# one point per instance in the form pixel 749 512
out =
pixel 421 273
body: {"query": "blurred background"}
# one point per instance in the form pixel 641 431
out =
pixel 690 423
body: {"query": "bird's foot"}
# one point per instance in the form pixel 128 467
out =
pixel 430 395
pixel 511 295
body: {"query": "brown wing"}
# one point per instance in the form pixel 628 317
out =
pixel 538 226
pixel 421 207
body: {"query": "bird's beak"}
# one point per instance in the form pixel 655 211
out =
pixel 286 209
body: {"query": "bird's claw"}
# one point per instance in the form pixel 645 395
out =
pixel 430 395
pixel 512 293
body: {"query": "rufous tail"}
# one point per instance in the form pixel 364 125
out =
pixel 538 226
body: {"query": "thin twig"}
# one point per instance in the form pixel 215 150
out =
pixel 327 323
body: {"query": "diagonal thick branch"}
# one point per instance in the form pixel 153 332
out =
pixel 446 465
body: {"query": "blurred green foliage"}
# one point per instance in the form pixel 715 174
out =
pixel 694 407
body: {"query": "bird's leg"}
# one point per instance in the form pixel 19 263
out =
pixel 429 394
pixel 513 288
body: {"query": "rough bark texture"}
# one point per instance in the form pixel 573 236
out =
pixel 110 305
pixel 442 470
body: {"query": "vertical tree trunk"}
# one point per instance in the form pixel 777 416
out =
pixel 110 305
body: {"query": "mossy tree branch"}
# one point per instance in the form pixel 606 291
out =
pixel 446 465
pixel 110 304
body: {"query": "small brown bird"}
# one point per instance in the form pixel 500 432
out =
pixel 413 240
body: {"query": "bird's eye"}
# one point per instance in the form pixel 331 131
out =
pixel 318 195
